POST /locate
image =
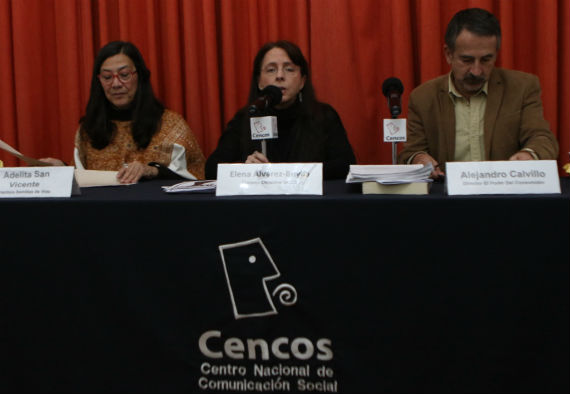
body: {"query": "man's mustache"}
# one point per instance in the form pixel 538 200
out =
pixel 470 78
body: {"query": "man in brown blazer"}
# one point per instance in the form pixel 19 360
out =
pixel 477 111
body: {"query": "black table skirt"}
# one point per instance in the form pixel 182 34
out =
pixel 130 289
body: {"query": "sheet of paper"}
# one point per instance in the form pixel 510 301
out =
pixel 207 186
pixel 28 160
pixel 91 178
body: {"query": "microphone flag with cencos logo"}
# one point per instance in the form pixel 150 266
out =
pixel 264 127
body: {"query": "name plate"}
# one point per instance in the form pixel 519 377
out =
pixel 34 182
pixel 502 177
pixel 271 178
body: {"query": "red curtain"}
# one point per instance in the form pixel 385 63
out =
pixel 200 54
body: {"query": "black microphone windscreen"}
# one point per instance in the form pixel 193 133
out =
pixel 273 94
pixel 392 84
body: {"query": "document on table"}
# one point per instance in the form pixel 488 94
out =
pixel 91 178
pixel 28 160
pixel 206 186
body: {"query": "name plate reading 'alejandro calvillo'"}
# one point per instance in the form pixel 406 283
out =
pixel 34 182
pixel 270 178
pixel 502 177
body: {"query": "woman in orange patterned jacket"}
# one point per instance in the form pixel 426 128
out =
pixel 127 129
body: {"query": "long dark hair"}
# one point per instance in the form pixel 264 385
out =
pixel 146 108
pixel 296 56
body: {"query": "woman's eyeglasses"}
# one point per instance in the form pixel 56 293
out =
pixel 124 76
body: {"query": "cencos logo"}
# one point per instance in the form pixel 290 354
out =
pixel 255 361
pixel 249 267
pixel 212 345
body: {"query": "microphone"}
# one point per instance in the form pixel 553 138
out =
pixel 392 88
pixel 270 95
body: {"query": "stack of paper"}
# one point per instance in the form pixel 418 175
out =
pixel 389 174
pixel 391 179
pixel 192 187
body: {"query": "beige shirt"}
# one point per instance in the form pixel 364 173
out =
pixel 469 123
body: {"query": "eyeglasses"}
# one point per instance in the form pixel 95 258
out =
pixel 287 69
pixel 123 76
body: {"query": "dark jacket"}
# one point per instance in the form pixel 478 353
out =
pixel 318 137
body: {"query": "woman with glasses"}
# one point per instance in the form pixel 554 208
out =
pixel 127 129
pixel 308 130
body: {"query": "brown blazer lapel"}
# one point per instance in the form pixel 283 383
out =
pixel 494 99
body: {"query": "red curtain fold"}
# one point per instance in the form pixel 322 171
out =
pixel 200 54
pixel 8 118
pixel 563 81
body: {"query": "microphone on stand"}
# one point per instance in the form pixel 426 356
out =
pixel 270 96
pixel 264 127
pixel 392 88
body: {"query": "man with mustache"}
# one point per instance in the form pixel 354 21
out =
pixel 476 112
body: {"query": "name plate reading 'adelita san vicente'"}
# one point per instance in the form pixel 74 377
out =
pixel 502 177
pixel 270 178
pixel 36 182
